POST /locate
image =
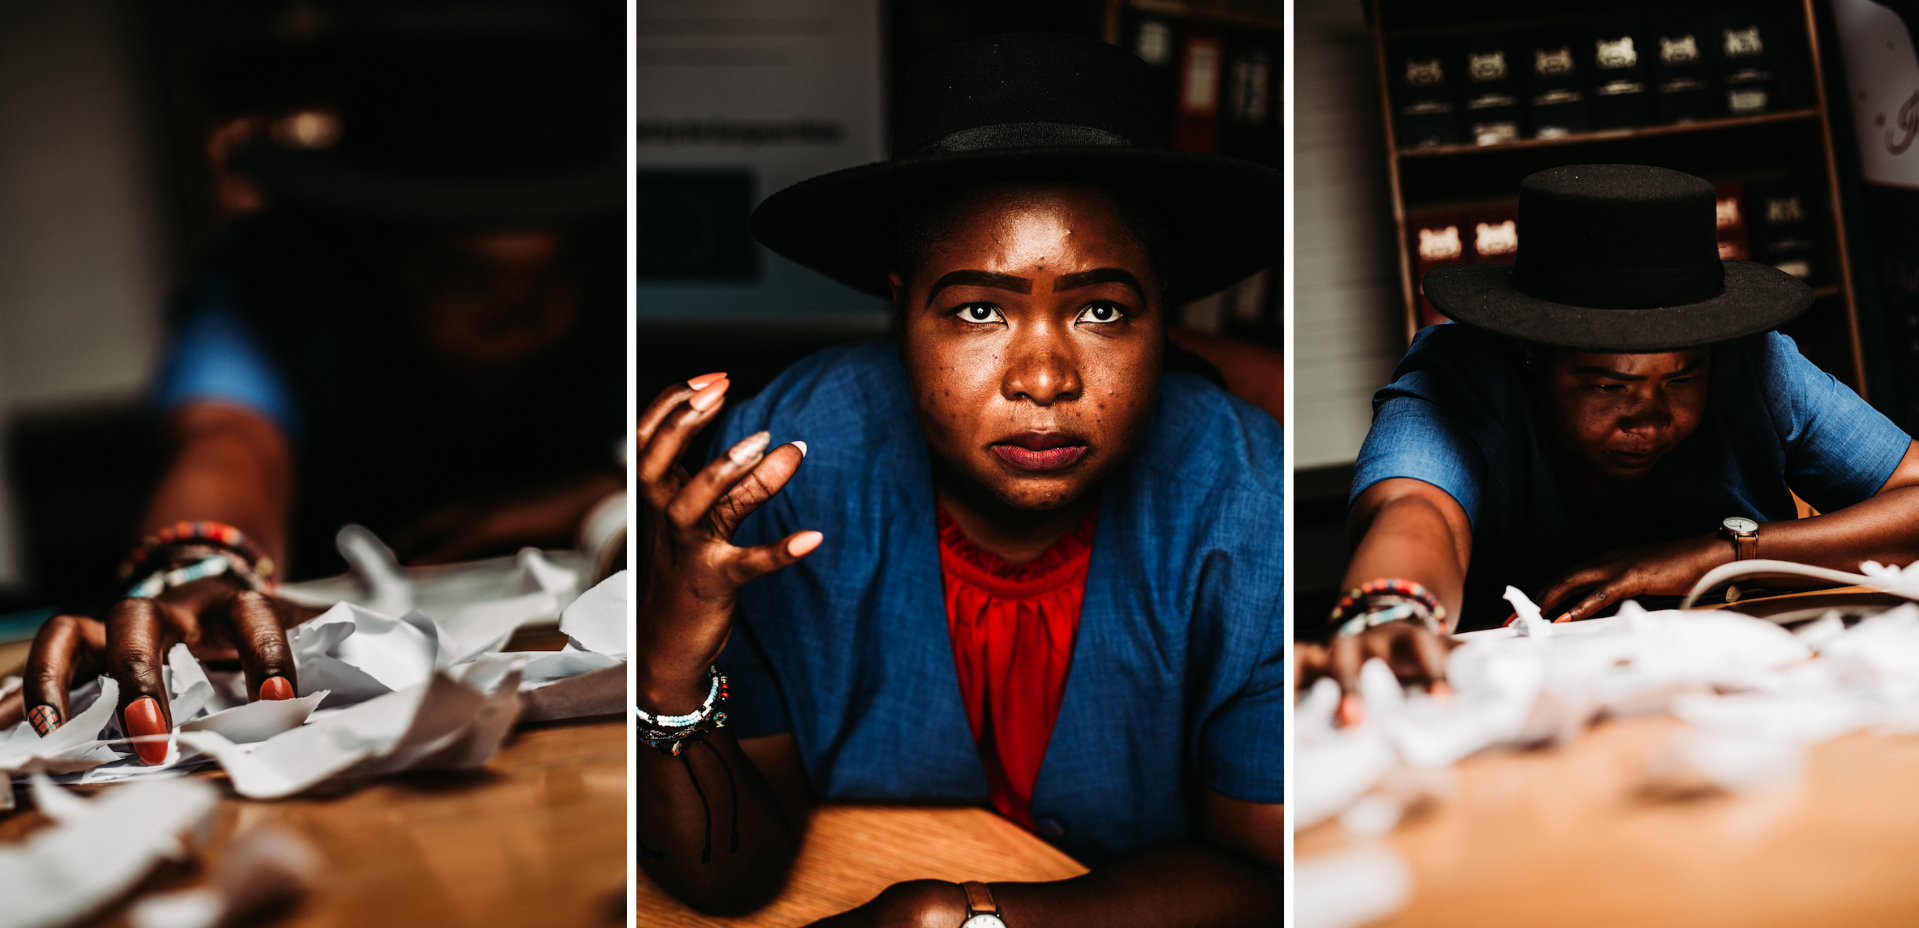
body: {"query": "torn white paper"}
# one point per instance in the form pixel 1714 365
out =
pixel 1349 888
pixel 98 850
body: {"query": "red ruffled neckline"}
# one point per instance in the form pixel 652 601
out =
pixel 1057 564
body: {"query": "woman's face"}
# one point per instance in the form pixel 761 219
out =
pixel 1621 413
pixel 1032 334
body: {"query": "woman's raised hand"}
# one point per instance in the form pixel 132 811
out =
pixel 690 571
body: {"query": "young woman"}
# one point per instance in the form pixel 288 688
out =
pixel 999 557
pixel 1613 417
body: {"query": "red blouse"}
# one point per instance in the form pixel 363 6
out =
pixel 1012 627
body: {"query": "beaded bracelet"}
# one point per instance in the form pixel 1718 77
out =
pixel 1387 600
pixel 203 534
pixel 668 733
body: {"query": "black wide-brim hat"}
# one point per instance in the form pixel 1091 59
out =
pixel 463 115
pixel 1618 257
pixel 1024 108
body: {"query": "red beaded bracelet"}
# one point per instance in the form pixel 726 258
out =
pixel 199 533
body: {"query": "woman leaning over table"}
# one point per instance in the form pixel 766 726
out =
pixel 1019 565
pixel 1611 417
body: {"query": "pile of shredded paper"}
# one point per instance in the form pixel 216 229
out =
pixel 383 686
pixel 1754 694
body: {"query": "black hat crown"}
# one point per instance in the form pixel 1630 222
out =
pixel 1618 236
pixel 1027 90
pixel 1033 107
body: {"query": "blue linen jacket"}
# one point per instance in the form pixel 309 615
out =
pixel 1177 675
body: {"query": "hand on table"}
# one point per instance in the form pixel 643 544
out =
pixel 912 904
pixel 1668 568
pixel 484 527
pixel 217 619
pixel 690 571
pixel 1415 654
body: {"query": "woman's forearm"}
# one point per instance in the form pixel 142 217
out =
pixel 678 822
pixel 1411 531
pixel 1884 528
pixel 229 465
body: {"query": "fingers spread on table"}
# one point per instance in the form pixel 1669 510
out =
pixel 753 563
pixel 660 451
pixel 136 650
pixel 759 484
pixel 67 647
pixel 262 644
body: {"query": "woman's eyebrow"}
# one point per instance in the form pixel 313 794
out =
pixel 1620 375
pixel 980 279
pixel 1100 275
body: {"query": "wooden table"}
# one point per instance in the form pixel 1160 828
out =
pixel 1564 837
pixel 854 851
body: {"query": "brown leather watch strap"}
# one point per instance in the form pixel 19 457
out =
pixel 1745 547
pixel 979 899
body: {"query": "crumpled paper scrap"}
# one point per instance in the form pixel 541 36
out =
pixel 1348 888
pixel 378 694
pixel 97 850
pixel 266 868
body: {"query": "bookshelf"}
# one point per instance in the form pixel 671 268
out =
pixel 1788 145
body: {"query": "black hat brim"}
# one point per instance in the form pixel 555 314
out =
pixel 1225 215
pixel 317 180
pixel 1756 298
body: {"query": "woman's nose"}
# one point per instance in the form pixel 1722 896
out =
pixel 1042 372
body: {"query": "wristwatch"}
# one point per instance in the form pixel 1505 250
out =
pixel 981 910
pixel 1744 533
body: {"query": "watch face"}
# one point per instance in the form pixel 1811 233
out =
pixel 984 921
pixel 1740 525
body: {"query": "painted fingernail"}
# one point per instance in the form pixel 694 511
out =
pixel 1351 711
pixel 700 382
pixel 44 719
pixel 804 542
pixel 800 445
pixel 1563 617
pixel 276 688
pixel 1440 690
pixel 709 395
pixel 145 723
pixel 1510 620
pixel 749 448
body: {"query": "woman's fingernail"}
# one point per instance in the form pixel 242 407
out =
pixel 749 448
pixel 803 543
pixel 1351 711
pixel 709 395
pixel 44 719
pixel 276 688
pixel 800 445
pixel 700 382
pixel 149 728
pixel 1510 620
pixel 1563 617
pixel 1440 689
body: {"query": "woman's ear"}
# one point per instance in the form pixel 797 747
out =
pixel 899 299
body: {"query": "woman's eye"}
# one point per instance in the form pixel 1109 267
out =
pixel 979 312
pixel 1101 312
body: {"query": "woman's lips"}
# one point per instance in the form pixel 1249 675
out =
pixel 1633 460
pixel 1040 451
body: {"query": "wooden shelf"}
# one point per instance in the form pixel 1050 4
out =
pixel 1610 135
pixel 1794 142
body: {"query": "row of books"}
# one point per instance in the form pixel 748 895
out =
pixel 1759 221
pixel 1222 81
pixel 1493 89
pixel 1221 84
